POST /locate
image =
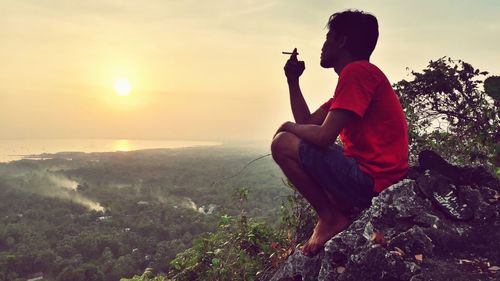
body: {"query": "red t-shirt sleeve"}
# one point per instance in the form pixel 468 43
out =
pixel 355 89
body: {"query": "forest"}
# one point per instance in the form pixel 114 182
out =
pixel 104 216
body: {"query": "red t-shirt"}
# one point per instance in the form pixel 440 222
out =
pixel 378 139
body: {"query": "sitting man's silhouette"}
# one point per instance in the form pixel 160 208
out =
pixel 367 115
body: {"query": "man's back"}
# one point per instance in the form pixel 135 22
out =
pixel 378 138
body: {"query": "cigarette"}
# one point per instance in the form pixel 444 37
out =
pixel 289 53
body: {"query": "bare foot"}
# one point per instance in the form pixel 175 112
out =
pixel 323 231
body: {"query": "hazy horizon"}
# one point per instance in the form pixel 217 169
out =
pixel 202 71
pixel 17 149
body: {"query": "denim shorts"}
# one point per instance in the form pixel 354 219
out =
pixel 336 173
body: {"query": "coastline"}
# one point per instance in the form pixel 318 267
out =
pixel 39 149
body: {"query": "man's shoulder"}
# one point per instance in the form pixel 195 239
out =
pixel 362 71
pixel 362 66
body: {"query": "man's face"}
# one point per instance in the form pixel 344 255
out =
pixel 331 50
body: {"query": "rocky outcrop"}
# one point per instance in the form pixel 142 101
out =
pixel 403 236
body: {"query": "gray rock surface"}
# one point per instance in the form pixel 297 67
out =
pixel 419 241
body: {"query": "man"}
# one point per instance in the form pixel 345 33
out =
pixel 367 115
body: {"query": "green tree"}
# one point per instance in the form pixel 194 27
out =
pixel 69 274
pixel 449 110
pixel 89 272
pixel 124 266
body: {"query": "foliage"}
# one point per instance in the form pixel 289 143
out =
pixel 449 110
pixel 492 87
pixel 239 249
pixel 244 248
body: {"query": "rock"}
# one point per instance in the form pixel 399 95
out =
pixel 299 267
pixel 419 241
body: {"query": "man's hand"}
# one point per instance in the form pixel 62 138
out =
pixel 293 67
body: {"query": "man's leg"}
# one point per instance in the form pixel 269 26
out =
pixel 285 151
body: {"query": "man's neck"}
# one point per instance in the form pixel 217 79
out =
pixel 343 61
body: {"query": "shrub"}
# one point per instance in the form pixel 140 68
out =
pixel 450 108
pixel 239 249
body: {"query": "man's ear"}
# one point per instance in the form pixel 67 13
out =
pixel 342 41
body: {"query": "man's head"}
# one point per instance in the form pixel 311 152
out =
pixel 351 33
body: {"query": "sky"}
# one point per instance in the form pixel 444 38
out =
pixel 203 70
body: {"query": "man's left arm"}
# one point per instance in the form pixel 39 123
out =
pixel 324 134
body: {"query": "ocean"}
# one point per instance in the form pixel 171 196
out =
pixel 16 149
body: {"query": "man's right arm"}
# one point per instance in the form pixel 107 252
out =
pixel 300 110
pixel 293 70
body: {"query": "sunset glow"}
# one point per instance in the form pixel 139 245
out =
pixel 204 71
pixel 122 145
pixel 122 87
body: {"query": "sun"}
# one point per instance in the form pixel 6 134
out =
pixel 122 87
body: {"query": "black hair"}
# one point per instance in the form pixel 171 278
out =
pixel 360 30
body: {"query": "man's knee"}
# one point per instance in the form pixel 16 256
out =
pixel 284 144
